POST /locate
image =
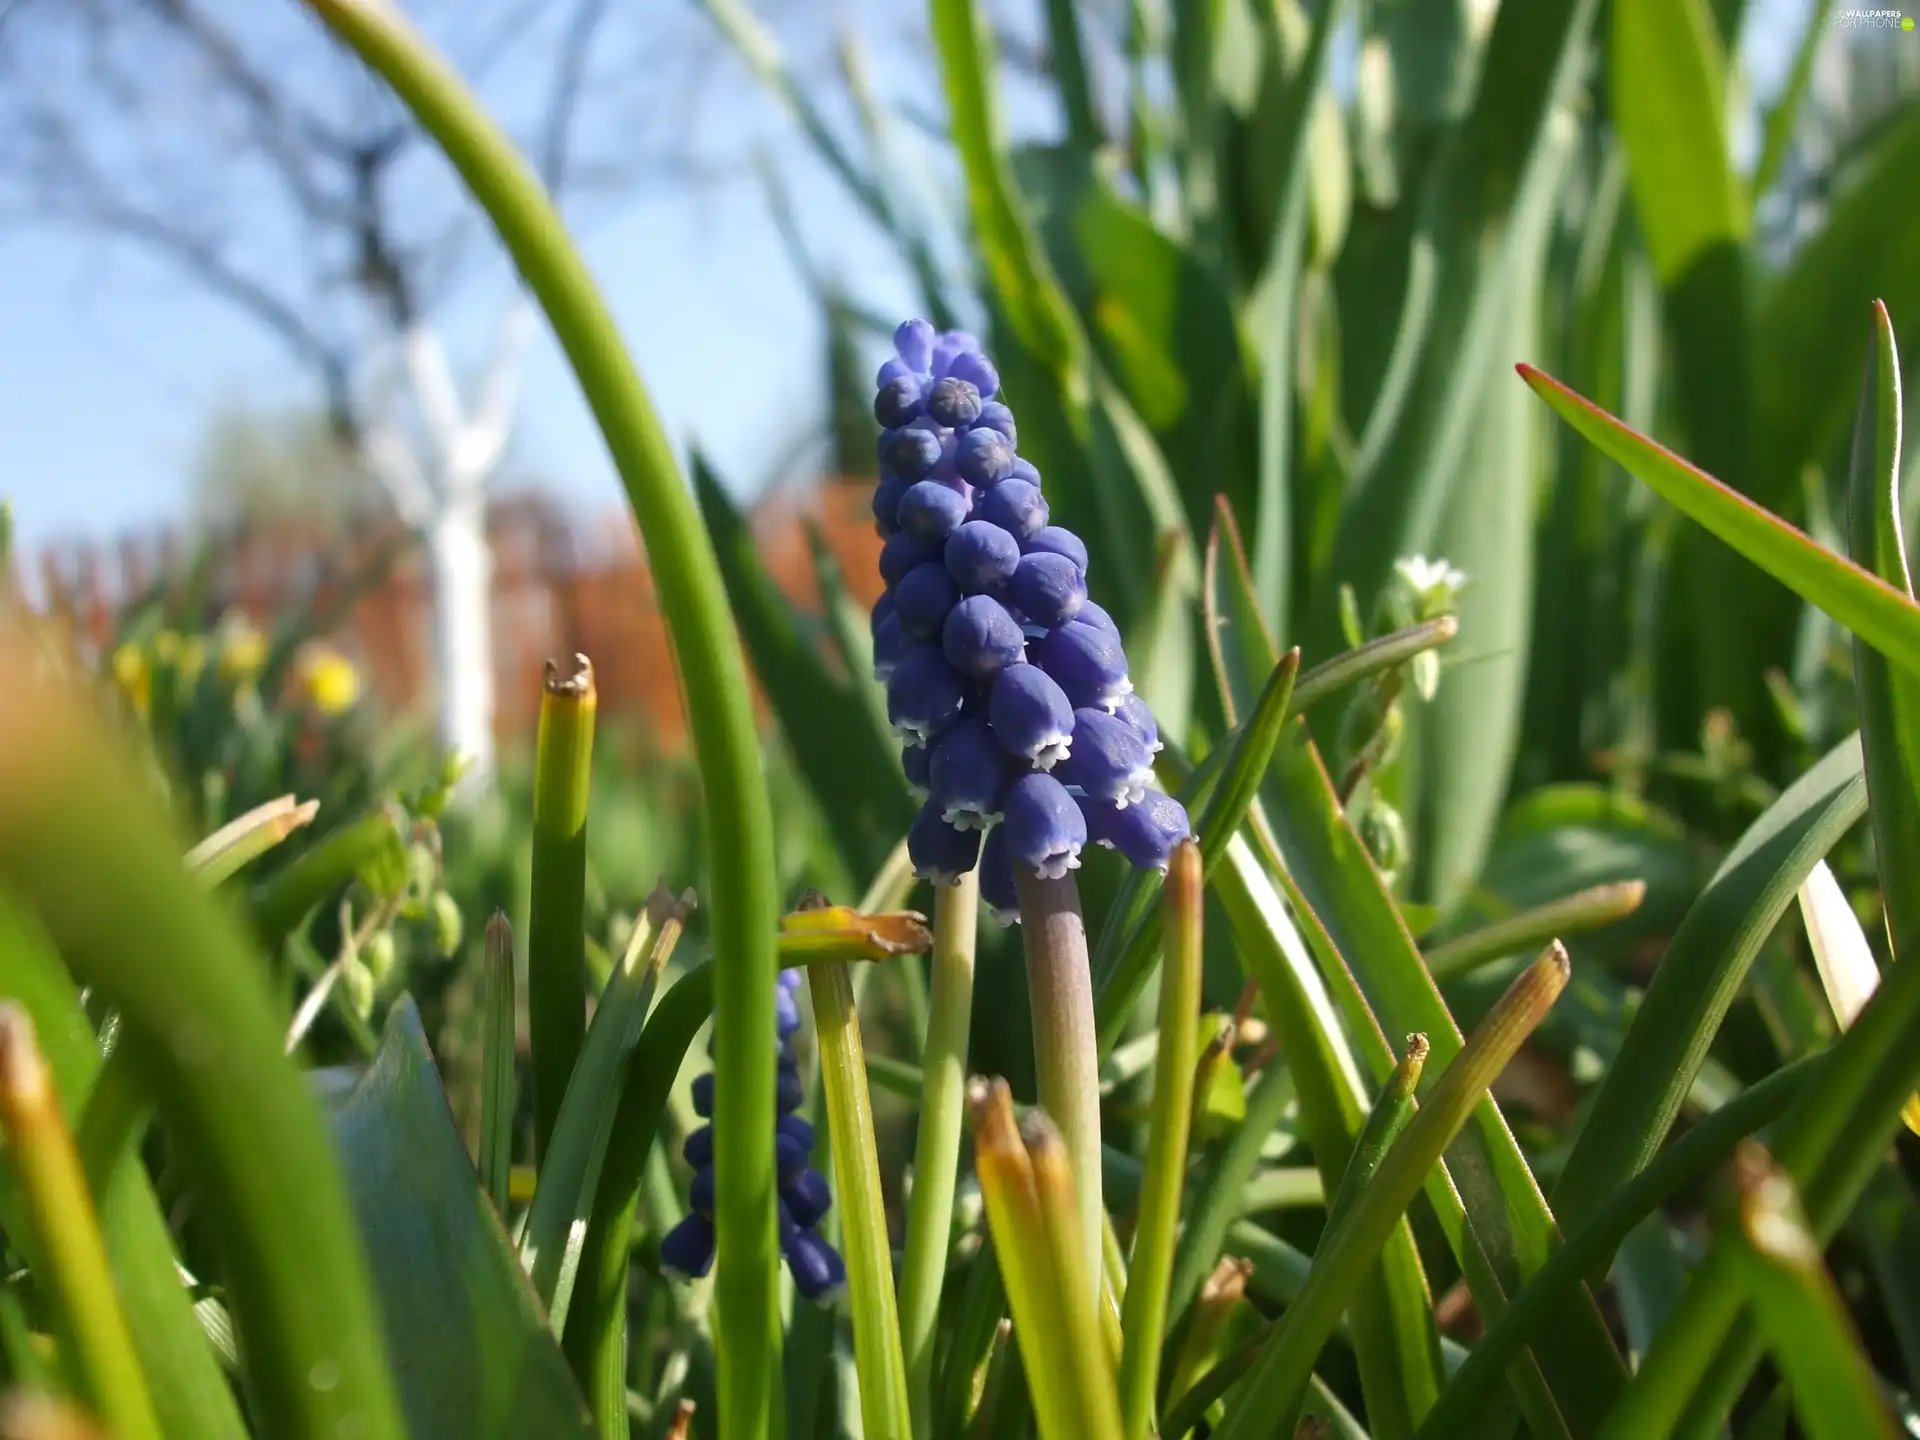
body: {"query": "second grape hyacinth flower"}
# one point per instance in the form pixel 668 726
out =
pixel 817 1270
pixel 1007 686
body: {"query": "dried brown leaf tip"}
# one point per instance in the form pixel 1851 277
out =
pixel 572 681
pixel 814 934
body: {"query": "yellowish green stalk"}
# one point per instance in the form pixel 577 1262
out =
pixel 1060 990
pixel 1144 1320
pixel 936 1152
pixel 556 927
pixel 1274 1389
pixel 738 822
pixel 1392 1109
pixel 1021 1248
pixel 1054 1184
pixel 884 1407
pixel 96 1342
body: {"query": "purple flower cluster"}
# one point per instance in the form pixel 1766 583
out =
pixel 1006 685
pixel 818 1272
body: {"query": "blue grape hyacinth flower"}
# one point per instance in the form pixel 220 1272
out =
pixel 817 1269
pixel 1006 684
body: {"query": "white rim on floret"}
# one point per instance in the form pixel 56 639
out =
pixel 968 817
pixel 1052 750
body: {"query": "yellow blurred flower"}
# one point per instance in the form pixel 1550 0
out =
pixel 133 676
pixel 243 650
pixel 326 678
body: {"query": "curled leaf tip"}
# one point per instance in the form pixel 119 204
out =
pixel 1416 1048
pixel 574 682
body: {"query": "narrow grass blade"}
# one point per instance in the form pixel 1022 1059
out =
pixel 596 1333
pixel 94 1339
pixel 1055 1187
pixel 1395 1340
pixel 1143 1319
pixel 1121 973
pixel 1575 914
pixel 1883 617
pixel 101 871
pixel 1889 698
pixel 1350 667
pixel 1686 1162
pixel 1489 1205
pixel 562 1206
pixel 556 937
pixel 499 1047
pixel 1831 1143
pixel 473 1352
pixel 936 1153
pixel 1070 75
pixel 240 842
pixel 1021 1250
pixel 738 821
pixel 863 1218
pixel 115 1115
pixel 1274 1389
pixel 1781 115
pixel 1703 969
pixel 1835 1391
pixel 982 1305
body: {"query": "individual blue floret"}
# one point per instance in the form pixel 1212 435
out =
pixel 688 1247
pixel 923 597
pixel 940 852
pixel 953 402
pixel 913 340
pixel 967 775
pixel 1087 663
pixel 1144 832
pixel 1109 761
pixel 930 512
pixel 1016 506
pixel 817 1269
pixel 891 642
pixel 1048 588
pixel 1133 710
pixel 973 367
pixel 886 505
pixel 924 695
pixel 981 557
pixel 1045 829
pixel 1094 615
pixel 983 457
pixel 1031 716
pixel 916 761
pixel 898 401
pixel 981 639
pixel 902 554
pixel 911 450
pixel 997 886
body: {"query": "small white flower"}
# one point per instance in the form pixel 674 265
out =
pixel 1426 578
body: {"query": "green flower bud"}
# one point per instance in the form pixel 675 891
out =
pixel 357 984
pixel 447 923
pixel 1384 834
pixel 380 955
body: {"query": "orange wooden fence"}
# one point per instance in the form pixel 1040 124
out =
pixel 561 583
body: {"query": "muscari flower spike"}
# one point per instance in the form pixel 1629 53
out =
pixel 817 1269
pixel 1006 684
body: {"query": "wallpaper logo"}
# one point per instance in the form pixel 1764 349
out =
pixel 1873 20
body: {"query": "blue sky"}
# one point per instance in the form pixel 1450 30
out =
pixel 113 364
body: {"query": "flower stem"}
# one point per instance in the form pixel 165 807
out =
pixel 1061 989
pixel 1143 1323
pixel 743 879
pixel 863 1216
pixel 78 1280
pixel 936 1151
